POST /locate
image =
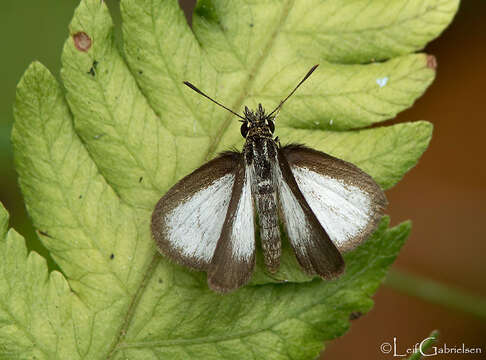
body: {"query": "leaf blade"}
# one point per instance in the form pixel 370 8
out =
pixel 363 31
pixel 34 306
pixel 81 209
pixel 130 146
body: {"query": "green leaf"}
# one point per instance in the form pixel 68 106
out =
pixel 35 307
pixel 95 155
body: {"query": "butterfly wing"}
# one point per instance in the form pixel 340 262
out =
pixel 346 201
pixel 312 246
pixel 234 258
pixel 188 220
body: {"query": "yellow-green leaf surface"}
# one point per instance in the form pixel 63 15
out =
pixel 95 153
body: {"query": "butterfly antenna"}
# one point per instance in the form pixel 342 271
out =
pixel 214 101
pixel 301 81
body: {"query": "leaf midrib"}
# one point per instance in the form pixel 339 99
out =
pixel 252 74
pixel 132 306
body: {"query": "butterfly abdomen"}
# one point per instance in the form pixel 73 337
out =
pixel 260 154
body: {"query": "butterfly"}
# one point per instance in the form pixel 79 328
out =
pixel 207 220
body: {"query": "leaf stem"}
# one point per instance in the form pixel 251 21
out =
pixel 436 292
pixel 425 346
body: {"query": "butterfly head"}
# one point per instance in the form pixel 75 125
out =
pixel 257 123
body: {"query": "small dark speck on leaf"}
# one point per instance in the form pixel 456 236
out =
pixel 92 71
pixel 355 315
pixel 251 25
pixel 431 62
pixel 141 179
pixel 44 233
pixel 82 41
pixel 112 256
pixel 80 196
pixel 140 72
pixel 160 281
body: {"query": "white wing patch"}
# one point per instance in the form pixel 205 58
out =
pixel 343 210
pixel 243 230
pixel 195 225
pixel 295 219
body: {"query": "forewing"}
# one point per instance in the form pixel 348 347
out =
pixel 313 248
pixel 234 258
pixel 346 201
pixel 188 220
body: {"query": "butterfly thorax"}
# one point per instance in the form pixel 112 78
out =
pixel 260 150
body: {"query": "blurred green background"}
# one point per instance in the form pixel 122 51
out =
pixel 445 195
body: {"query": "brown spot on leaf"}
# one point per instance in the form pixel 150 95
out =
pixel 82 41
pixel 431 62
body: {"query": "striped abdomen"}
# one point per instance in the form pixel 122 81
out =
pixel 261 157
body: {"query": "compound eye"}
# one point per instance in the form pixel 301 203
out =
pixel 271 125
pixel 244 129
